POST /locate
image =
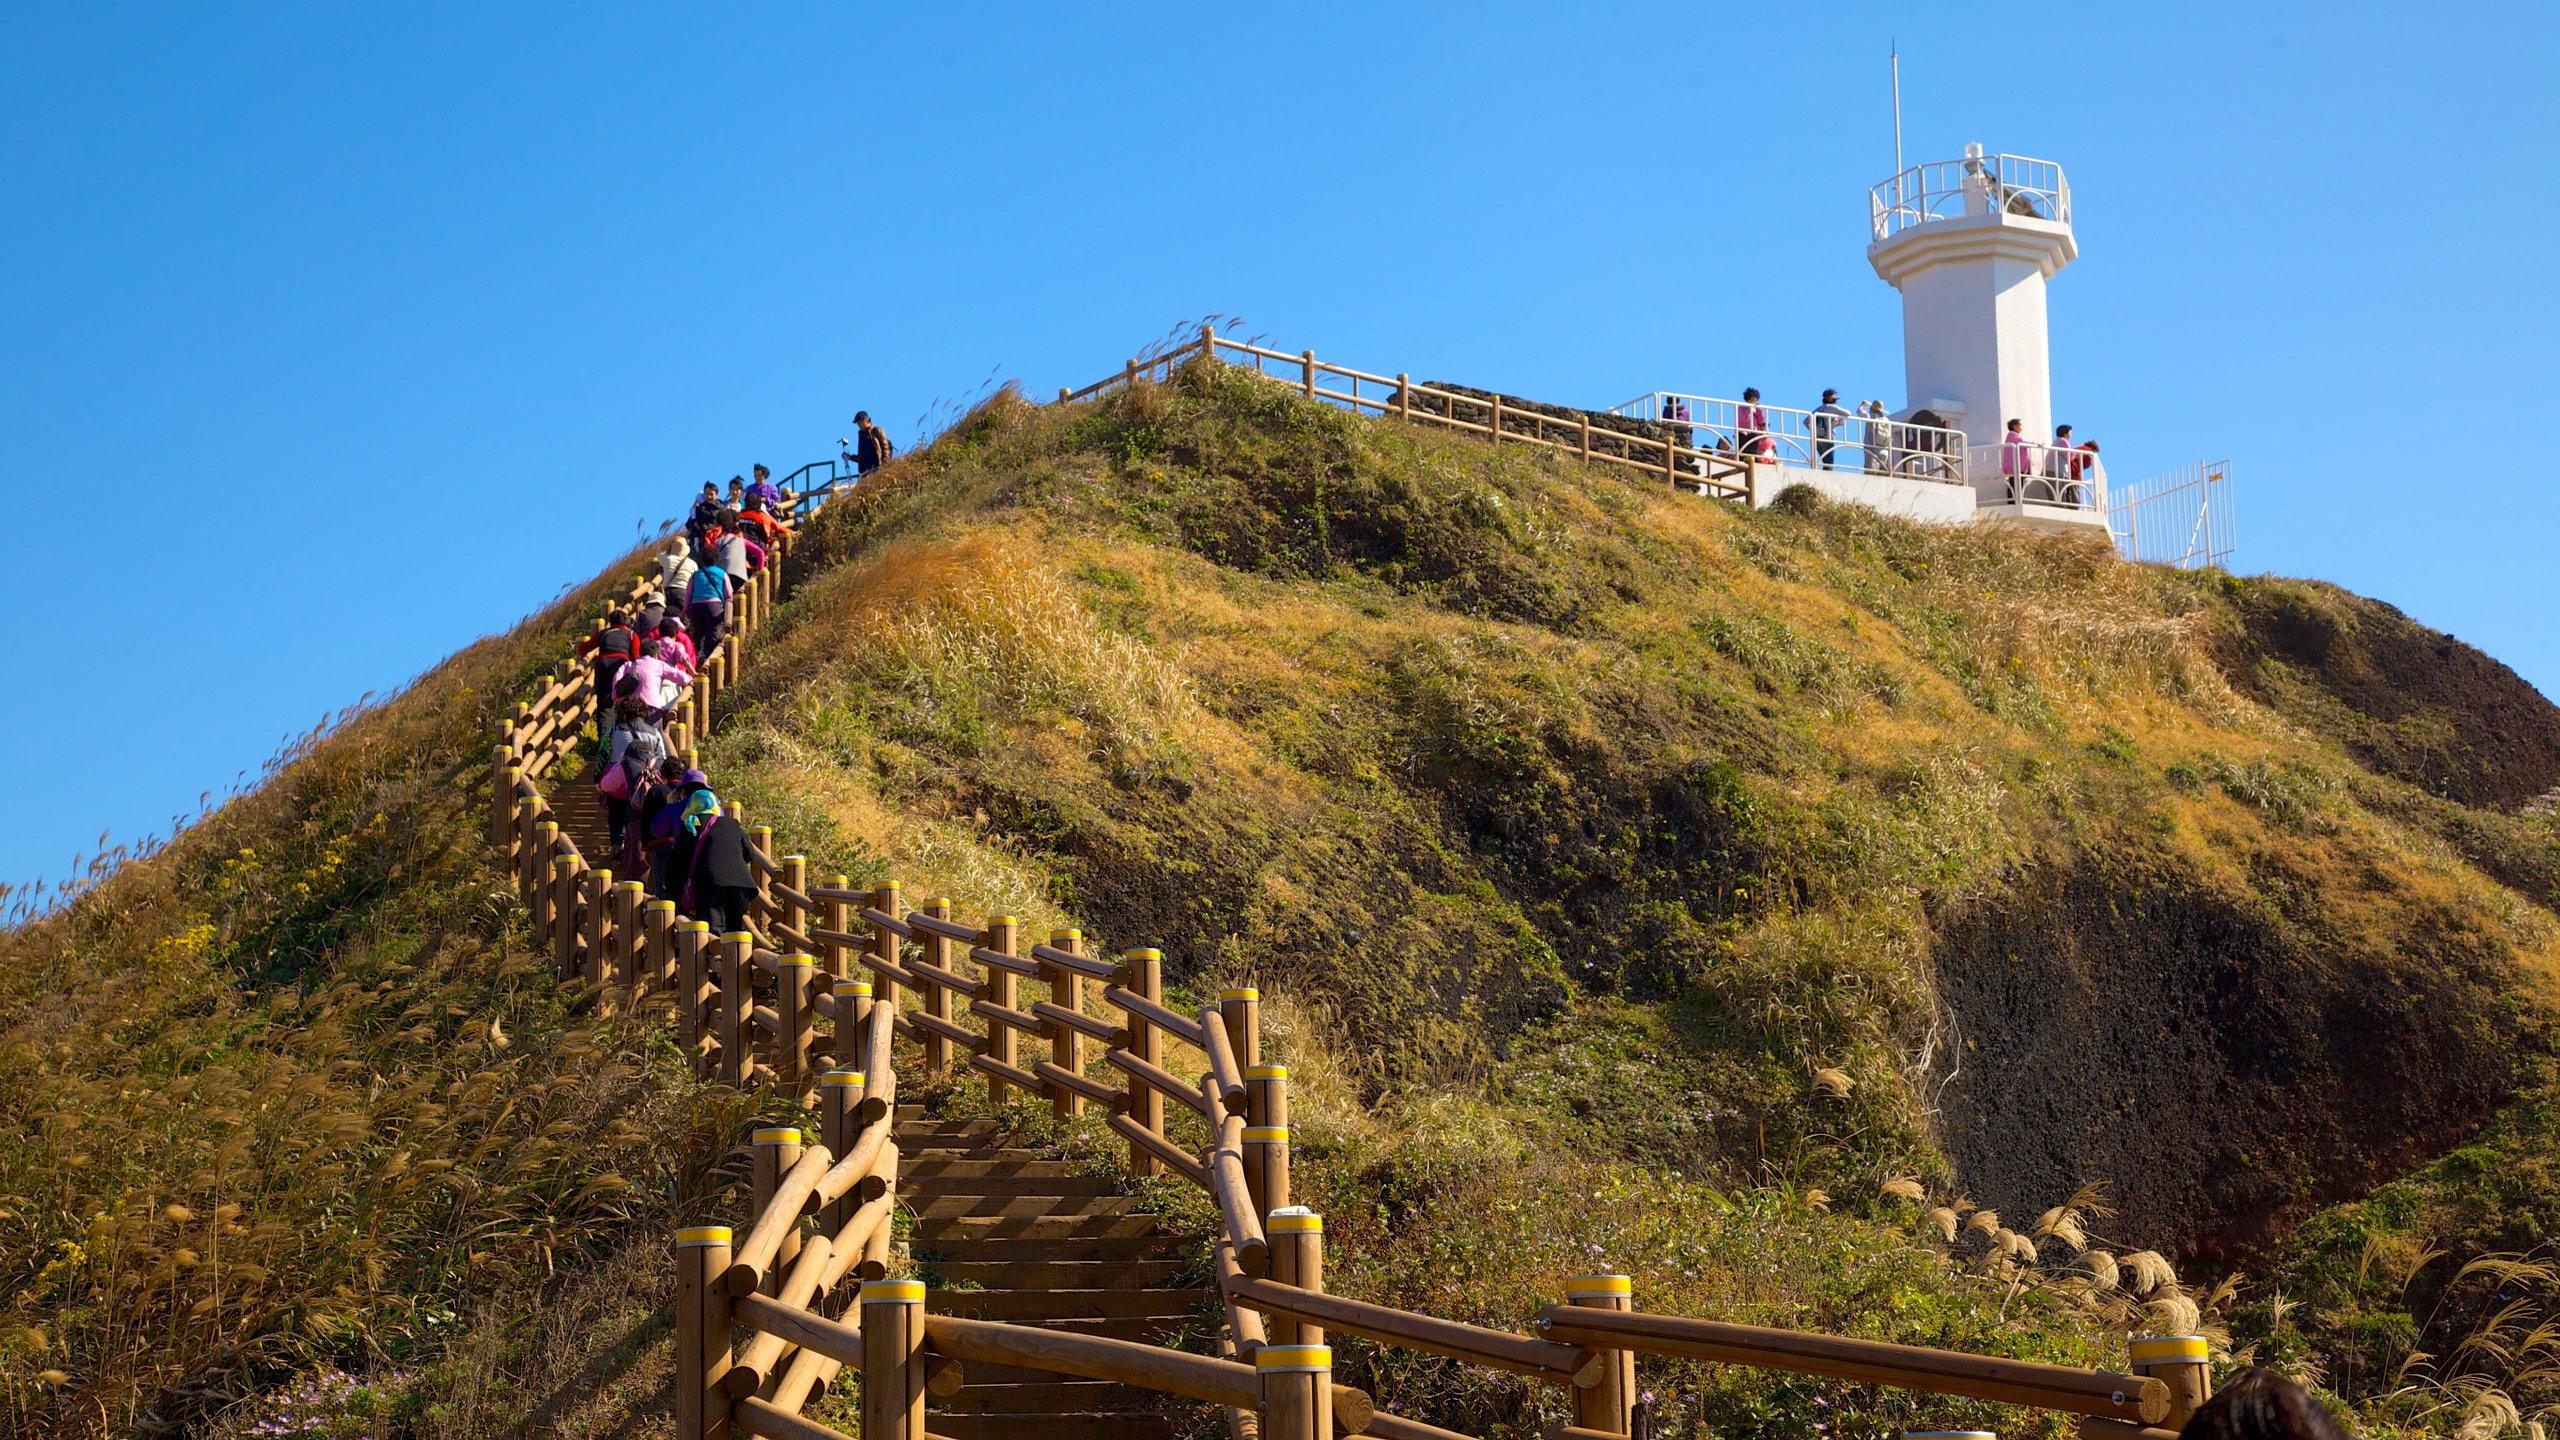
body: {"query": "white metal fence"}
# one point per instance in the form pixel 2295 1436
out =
pixel 1978 184
pixel 1808 439
pixel 2181 518
pixel 2044 474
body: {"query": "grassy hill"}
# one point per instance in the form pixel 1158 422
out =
pixel 1764 904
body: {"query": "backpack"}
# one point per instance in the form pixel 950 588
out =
pixel 609 647
pixel 710 582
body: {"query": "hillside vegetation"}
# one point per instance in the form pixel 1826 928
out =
pixel 1765 904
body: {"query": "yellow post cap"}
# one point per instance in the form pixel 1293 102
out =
pixel 1247 992
pixel 667 905
pixel 1069 933
pixel 795 859
pixel 1266 1134
pixel 1586 1287
pixel 746 935
pixel 1266 1072
pixel 703 1235
pixel 699 927
pixel 1146 952
pixel 780 1135
pixel 1296 1219
pixel 631 885
pixel 854 1078
pixel 853 987
pixel 799 959
pixel 2169 1350
pixel 1298 1358
pixel 892 1292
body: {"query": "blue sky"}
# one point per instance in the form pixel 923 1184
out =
pixel 332 337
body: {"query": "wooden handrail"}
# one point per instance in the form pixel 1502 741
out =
pixel 1171 1022
pixel 1158 1079
pixel 781 1216
pixel 1547 1360
pixel 1070 961
pixel 2134 1398
pixel 1123 1362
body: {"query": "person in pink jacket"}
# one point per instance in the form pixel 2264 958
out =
pixel 2017 454
pixel 1751 427
pixel 660 684
pixel 675 646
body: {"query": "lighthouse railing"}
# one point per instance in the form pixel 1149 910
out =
pixel 2036 474
pixel 1976 185
pixel 1856 444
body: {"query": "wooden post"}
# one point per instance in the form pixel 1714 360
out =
pixel 1586 437
pixel 892 1359
pixel 1063 393
pixel 1066 1048
pixel 1296 1234
pixel 1266 1136
pixel 1142 971
pixel 1496 427
pixel 702 1333
pixel 839 1097
pixel 597 945
pixel 936 998
pixel 1297 1391
pixel 1003 938
pixel 795 877
pixel 777 1150
pixel 762 837
pixel 1241 1009
pixel 658 929
pixel 735 967
pixel 1404 396
pixel 884 942
pixel 630 941
pixel 1209 341
pixel 539 883
pixel 1609 1406
pixel 693 988
pixel 564 916
pixel 1670 463
pixel 834 954
pixel 1310 383
pixel 1129 375
pixel 2181 1362
pixel 799 1020
pixel 853 1013
pixel 502 801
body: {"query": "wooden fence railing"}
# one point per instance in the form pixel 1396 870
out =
pixel 1601 438
pixel 810 1002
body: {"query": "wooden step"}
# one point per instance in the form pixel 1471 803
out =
pixel 929 1206
pixel 912 1182
pixel 1054 1397
pixel 931 1228
pixel 1047 1427
pixel 1041 1307
pixel 977 1247
pixel 1040 1274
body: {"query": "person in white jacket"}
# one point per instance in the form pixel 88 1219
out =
pixel 675 569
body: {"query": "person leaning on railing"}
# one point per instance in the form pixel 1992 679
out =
pixel 1828 421
pixel 1751 427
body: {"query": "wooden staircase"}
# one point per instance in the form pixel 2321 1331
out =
pixel 1003 1234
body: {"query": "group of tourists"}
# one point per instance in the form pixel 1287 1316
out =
pixel 664 821
pixel 1923 444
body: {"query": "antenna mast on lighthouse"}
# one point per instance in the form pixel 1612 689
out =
pixel 1897 106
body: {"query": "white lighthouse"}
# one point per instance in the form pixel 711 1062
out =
pixel 1970 244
